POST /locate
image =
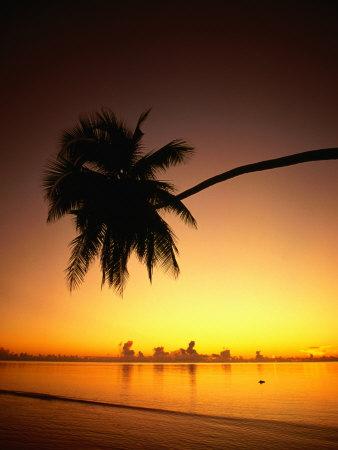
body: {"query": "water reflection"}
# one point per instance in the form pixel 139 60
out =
pixel 158 368
pixel 126 376
pixel 158 371
pixel 227 368
pixel 192 370
pixel 260 368
pixel 293 391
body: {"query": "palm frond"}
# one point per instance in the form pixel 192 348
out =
pixel 138 133
pixel 175 152
pixel 165 200
pixel 149 255
pixel 155 244
pixel 85 248
pixel 114 259
pixel 165 247
pixel 151 187
pixel 67 186
pixel 100 139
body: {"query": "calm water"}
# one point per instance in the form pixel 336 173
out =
pixel 298 402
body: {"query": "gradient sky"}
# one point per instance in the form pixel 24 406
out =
pixel 241 81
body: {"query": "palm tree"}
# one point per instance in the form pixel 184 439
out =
pixel 103 178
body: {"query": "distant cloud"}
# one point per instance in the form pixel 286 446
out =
pixel 316 350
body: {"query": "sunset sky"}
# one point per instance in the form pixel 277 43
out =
pixel 241 81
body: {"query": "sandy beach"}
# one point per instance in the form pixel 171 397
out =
pixel 27 423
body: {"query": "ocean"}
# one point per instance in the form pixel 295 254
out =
pixel 47 405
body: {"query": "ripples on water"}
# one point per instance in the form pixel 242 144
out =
pixel 297 407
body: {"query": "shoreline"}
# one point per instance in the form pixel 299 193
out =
pixel 61 398
pixel 173 361
pixel 26 424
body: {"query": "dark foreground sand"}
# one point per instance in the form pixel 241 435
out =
pixel 27 423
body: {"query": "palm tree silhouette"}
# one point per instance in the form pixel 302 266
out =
pixel 102 177
pixel 104 180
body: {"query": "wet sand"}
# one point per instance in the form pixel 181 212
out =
pixel 31 423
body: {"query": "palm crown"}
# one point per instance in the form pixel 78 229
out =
pixel 103 178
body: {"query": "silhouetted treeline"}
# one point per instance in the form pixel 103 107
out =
pixel 7 355
pixel 160 355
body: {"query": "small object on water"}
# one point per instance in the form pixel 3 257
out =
pixel 261 381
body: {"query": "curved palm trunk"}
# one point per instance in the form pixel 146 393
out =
pixel 298 158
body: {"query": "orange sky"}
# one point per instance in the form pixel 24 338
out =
pixel 241 83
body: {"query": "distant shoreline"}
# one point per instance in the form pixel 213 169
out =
pixel 150 360
pixel 160 356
